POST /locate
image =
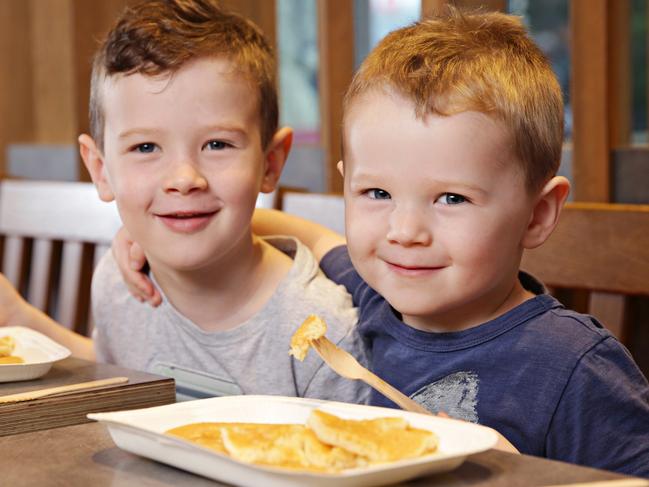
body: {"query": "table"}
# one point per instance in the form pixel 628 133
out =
pixel 141 390
pixel 83 454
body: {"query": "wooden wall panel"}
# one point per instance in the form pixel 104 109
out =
pixel 589 95
pixel 619 73
pixel 16 103
pixel 46 48
pixel 53 87
pixel 336 45
pixel 600 92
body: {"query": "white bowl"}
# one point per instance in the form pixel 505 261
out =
pixel 38 351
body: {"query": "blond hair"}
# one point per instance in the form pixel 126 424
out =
pixel 482 62
pixel 158 37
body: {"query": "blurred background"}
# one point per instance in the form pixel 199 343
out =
pixel 598 49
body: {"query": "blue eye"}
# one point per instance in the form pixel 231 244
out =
pixel 378 194
pixel 451 199
pixel 146 148
pixel 216 145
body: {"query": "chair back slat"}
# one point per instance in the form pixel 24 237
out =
pixel 13 260
pixel 56 210
pixel 40 278
pixel 50 232
pixel 71 268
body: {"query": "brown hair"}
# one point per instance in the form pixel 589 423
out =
pixel 481 62
pixel 159 36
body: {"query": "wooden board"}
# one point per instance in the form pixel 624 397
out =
pixel 142 390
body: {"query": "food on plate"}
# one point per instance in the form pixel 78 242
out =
pixel 205 434
pixel 326 443
pixel 379 440
pixel 11 359
pixel 7 346
pixel 312 329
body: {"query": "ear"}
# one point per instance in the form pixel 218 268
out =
pixel 341 168
pixel 94 161
pixel 276 155
pixel 546 211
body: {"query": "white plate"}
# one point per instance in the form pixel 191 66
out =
pixel 37 350
pixel 141 432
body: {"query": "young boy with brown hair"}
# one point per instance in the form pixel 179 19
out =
pixel 453 130
pixel 184 122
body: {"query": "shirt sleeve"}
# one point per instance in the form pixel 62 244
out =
pixel 338 267
pixel 602 419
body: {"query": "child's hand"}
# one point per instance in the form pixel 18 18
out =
pixel 130 261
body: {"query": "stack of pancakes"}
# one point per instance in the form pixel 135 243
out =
pixel 326 444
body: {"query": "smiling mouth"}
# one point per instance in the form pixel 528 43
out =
pixel 412 270
pixel 187 214
pixel 187 221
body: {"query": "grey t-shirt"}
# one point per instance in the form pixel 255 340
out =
pixel 249 359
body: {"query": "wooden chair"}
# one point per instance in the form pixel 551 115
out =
pixel 326 209
pixel 53 234
pixel 602 250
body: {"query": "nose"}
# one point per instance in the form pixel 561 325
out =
pixel 184 178
pixel 408 227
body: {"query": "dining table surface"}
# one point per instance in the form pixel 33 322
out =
pixel 85 454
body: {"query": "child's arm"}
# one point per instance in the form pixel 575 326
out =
pixel 318 238
pixel 15 311
pixel 130 257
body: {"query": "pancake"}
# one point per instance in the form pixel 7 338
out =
pixel 278 445
pixel 7 345
pixel 204 434
pixel 11 359
pixel 326 444
pixel 286 446
pixel 312 328
pixel 380 440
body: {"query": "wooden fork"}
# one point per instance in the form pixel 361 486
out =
pixel 51 391
pixel 347 366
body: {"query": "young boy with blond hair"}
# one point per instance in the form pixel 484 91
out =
pixel 452 135
pixel 453 130
pixel 184 122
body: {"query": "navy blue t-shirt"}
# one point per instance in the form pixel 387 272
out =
pixel 552 381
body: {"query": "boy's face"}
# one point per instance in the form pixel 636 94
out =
pixel 184 161
pixel 436 210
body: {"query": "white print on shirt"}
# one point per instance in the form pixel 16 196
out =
pixel 456 395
